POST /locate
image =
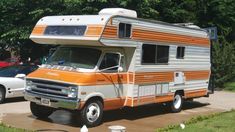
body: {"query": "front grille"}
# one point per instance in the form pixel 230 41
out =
pixel 50 88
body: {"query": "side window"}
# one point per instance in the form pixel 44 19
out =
pixel 148 53
pixel 162 54
pixel 124 30
pixel 110 60
pixel 180 52
pixel 155 54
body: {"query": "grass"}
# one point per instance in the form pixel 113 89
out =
pixel 5 128
pixel 230 86
pixel 220 122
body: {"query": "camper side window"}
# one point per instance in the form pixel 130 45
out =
pixel 155 54
pixel 124 30
pixel 110 62
pixel 180 52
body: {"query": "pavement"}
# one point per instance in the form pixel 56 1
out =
pixel 16 113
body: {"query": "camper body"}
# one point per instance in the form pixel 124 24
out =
pixel 107 62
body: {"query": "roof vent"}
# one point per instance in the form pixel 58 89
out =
pixel 189 25
pixel 118 11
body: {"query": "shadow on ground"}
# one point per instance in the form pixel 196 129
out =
pixel 14 100
pixel 67 118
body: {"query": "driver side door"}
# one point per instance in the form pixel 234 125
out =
pixel 110 79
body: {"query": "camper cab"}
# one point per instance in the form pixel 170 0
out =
pixel 114 60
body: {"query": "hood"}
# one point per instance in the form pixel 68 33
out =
pixel 79 78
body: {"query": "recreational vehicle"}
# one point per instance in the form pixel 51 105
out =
pixel 114 60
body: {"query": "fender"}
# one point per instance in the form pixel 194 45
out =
pixel 94 94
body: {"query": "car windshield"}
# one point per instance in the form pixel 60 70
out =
pixel 12 71
pixel 77 57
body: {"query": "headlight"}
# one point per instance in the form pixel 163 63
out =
pixel 29 85
pixel 72 91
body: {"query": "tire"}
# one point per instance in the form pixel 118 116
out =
pixel 2 95
pixel 40 111
pixel 92 113
pixel 191 99
pixel 177 103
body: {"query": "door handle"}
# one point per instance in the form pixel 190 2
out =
pixel 101 80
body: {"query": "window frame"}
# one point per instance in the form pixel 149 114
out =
pixel 101 59
pixel 156 48
pixel 124 31
pixel 180 57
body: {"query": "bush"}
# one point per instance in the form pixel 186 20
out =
pixel 223 63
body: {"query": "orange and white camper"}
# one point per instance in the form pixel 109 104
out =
pixel 115 60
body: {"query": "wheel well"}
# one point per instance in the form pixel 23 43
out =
pixel 2 87
pixel 181 92
pixel 95 98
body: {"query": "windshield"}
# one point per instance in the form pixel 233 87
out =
pixel 76 57
pixel 12 71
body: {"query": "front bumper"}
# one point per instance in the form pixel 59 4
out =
pixel 54 102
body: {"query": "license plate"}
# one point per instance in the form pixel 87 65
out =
pixel 46 102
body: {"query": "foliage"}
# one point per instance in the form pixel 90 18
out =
pixel 230 86
pixel 5 128
pixel 223 62
pixel 18 18
pixel 214 122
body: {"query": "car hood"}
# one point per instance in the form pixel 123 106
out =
pixel 8 80
pixel 79 78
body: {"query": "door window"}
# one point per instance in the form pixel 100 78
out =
pixel 110 62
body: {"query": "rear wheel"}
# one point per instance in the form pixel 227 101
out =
pixel 40 111
pixel 92 113
pixel 2 95
pixel 177 103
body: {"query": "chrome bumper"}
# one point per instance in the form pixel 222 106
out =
pixel 54 102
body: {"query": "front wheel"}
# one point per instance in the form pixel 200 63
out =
pixel 92 113
pixel 40 111
pixel 177 103
pixel 2 95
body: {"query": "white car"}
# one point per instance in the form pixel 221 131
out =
pixel 12 80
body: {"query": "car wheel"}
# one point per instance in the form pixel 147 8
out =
pixel 92 113
pixel 2 95
pixel 40 111
pixel 177 103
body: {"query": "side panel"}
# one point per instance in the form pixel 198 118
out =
pixel 152 32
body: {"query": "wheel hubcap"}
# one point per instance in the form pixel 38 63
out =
pixel 93 112
pixel 177 101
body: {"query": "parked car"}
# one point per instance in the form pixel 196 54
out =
pixel 12 80
pixel 9 62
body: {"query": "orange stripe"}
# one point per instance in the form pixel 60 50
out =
pixel 169 37
pixel 152 99
pixel 38 30
pixel 145 35
pixel 94 30
pixel 110 32
pixel 195 93
pixel 88 79
pixel 116 103
pixel 153 77
pixel 196 75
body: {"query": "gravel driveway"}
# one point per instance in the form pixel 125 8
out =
pixel 16 113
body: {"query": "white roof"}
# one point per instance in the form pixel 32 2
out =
pixel 74 20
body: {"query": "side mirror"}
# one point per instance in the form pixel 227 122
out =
pixel 20 76
pixel 120 69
